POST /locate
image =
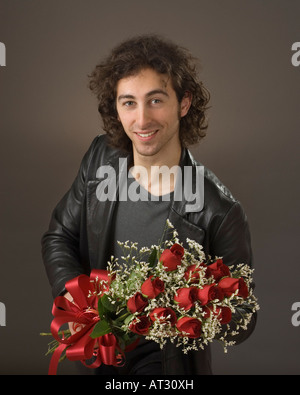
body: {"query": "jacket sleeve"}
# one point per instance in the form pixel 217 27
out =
pixel 232 242
pixel 61 242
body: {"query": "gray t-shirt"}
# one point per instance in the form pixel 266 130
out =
pixel 142 221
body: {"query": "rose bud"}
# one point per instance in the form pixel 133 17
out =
pixel 192 327
pixel 217 270
pixel 163 314
pixel 208 293
pixel 186 297
pixel 152 288
pixel 192 273
pixel 223 312
pixel 140 325
pixel 137 303
pixel 229 285
pixel 171 258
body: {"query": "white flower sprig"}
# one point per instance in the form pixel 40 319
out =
pixel 137 265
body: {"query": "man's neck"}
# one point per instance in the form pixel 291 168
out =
pixel 156 174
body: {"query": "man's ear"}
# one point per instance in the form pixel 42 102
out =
pixel 185 104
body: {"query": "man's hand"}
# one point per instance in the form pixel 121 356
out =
pixel 73 326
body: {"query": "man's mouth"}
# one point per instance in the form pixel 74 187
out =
pixel 146 134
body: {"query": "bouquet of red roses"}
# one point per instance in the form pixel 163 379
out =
pixel 166 292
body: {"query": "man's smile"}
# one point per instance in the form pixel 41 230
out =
pixel 146 135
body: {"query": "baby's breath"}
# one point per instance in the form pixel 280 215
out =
pixel 130 272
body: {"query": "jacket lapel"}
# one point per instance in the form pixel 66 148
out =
pixel 185 229
pixel 192 177
pixel 100 211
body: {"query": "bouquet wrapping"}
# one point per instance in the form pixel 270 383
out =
pixel 165 293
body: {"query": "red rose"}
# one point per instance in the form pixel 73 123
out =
pixel 177 249
pixel 163 314
pixel 186 297
pixel 137 303
pixel 208 293
pixel 229 285
pixel 171 258
pixel 140 325
pixel 192 273
pixel 217 270
pixel 192 327
pixel 152 288
pixel 223 312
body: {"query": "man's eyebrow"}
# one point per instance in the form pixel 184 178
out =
pixel 157 91
pixel 121 97
pixel 149 94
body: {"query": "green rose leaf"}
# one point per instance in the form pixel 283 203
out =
pixel 152 257
pixel 106 304
pixel 101 328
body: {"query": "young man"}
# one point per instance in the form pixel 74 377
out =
pixel 153 107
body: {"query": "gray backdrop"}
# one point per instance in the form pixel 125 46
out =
pixel 48 118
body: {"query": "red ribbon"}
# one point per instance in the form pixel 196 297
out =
pixel 83 313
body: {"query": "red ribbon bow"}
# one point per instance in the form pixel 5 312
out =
pixel 83 313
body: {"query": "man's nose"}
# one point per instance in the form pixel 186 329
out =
pixel 143 117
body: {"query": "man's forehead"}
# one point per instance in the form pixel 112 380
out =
pixel 147 74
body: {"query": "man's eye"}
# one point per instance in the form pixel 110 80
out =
pixel 156 101
pixel 128 103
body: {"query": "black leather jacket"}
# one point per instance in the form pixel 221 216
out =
pixel 78 235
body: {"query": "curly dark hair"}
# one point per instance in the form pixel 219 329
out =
pixel 165 57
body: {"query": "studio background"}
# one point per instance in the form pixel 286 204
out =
pixel 48 118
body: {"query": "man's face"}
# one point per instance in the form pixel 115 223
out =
pixel 150 113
